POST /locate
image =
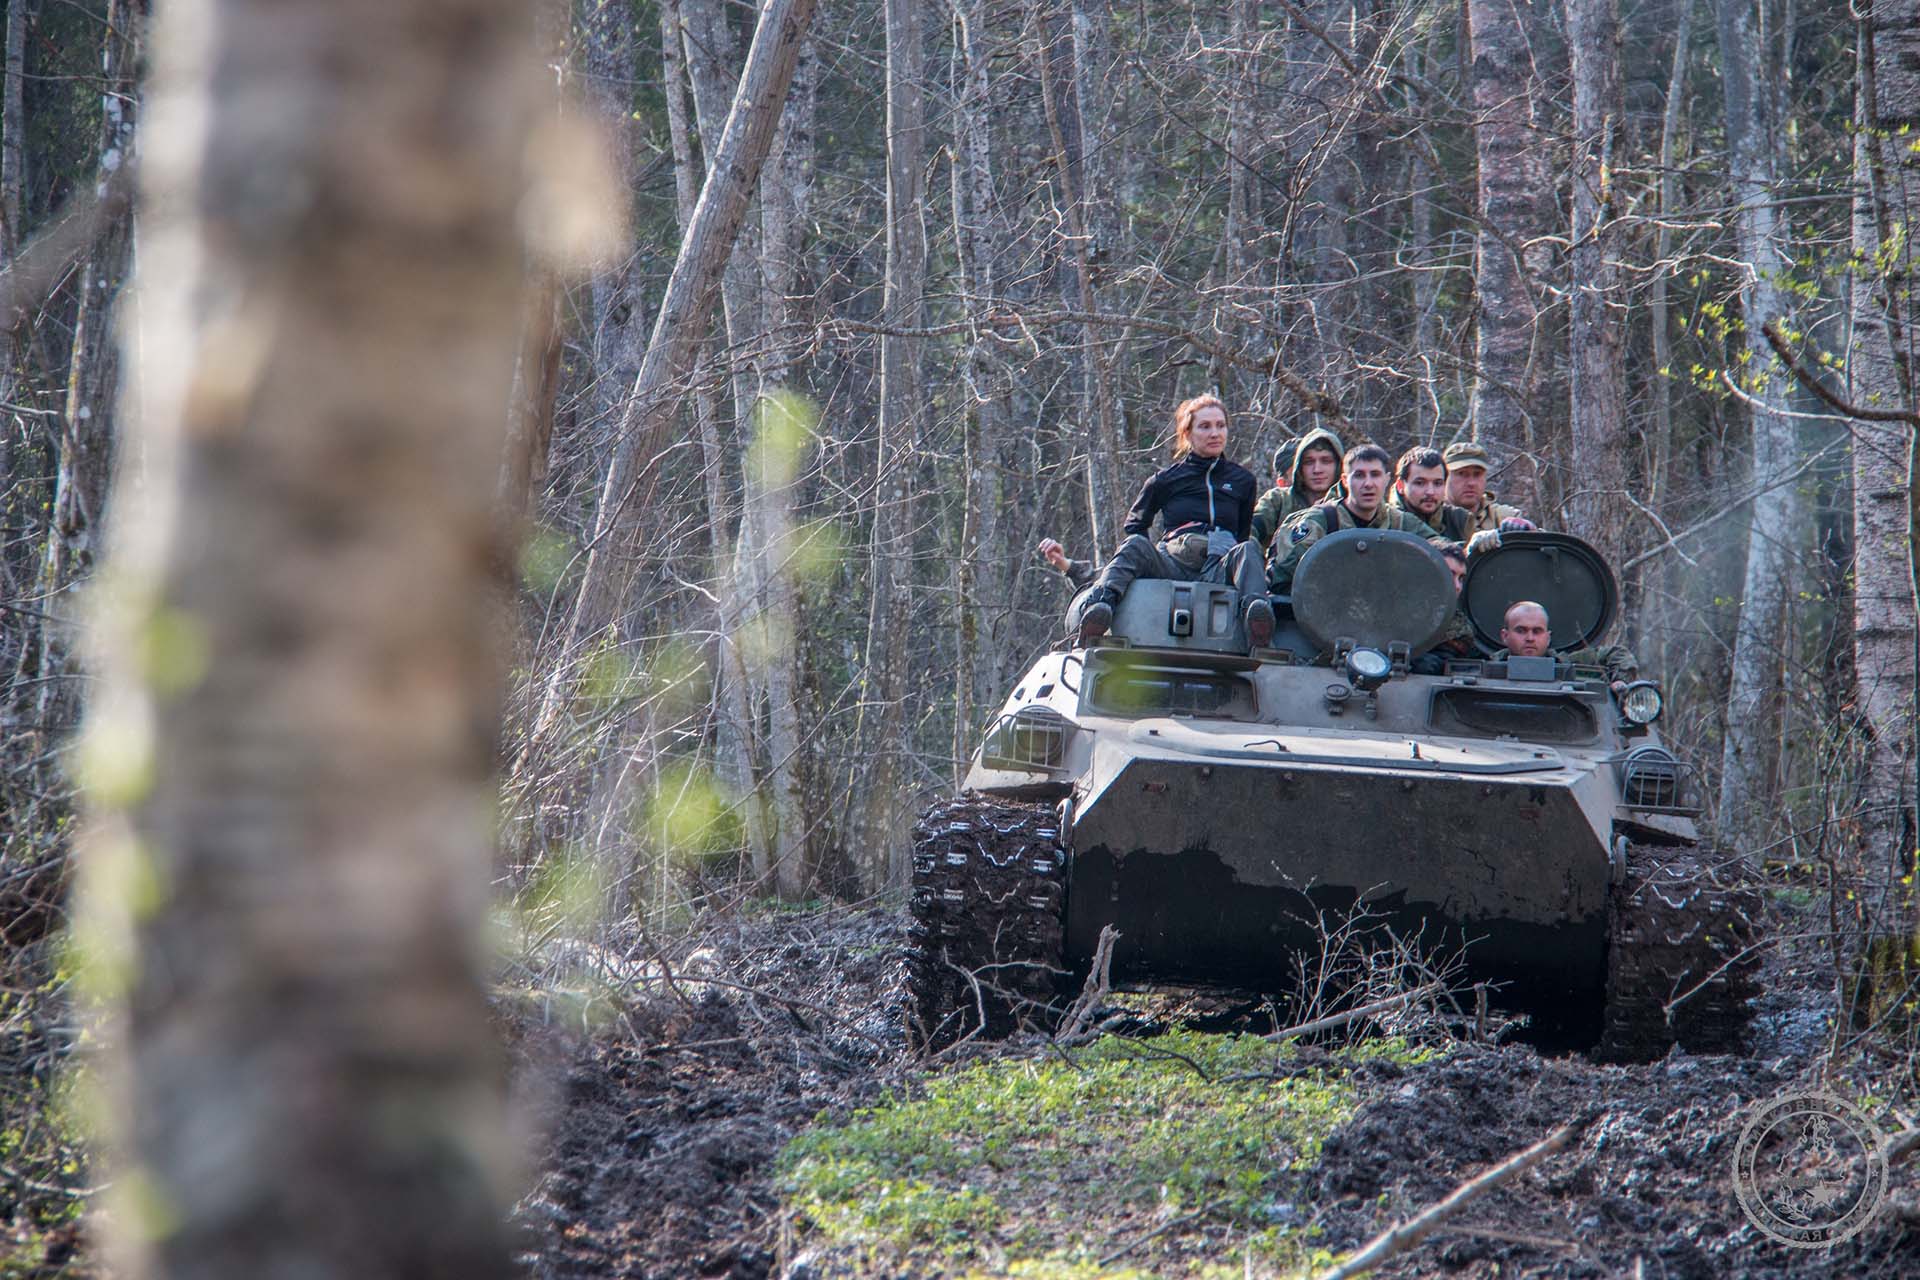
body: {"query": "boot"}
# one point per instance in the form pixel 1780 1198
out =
pixel 1259 623
pixel 1095 621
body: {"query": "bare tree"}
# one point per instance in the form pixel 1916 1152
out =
pixel 1597 348
pixel 901 427
pixel 304 699
pixel 977 248
pixel 1886 196
pixel 679 326
pixel 1510 254
pixel 1754 139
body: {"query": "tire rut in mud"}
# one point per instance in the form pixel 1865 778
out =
pixel 985 943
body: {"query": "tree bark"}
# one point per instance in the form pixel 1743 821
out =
pixel 1596 351
pixel 1080 161
pixel 712 69
pixel 1881 372
pixel 678 328
pixel 977 248
pixel 13 128
pixel 13 133
pixel 85 463
pixel 1510 257
pixel 1658 313
pixel 303 699
pixel 901 404
pixel 1754 141
pixel 783 437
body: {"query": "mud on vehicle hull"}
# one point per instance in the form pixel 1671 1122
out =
pixel 1005 917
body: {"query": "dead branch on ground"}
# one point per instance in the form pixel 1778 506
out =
pixel 1406 1235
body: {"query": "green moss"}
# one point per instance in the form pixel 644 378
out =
pixel 1043 1166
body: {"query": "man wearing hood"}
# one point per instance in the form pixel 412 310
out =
pixel 1362 506
pixel 1316 470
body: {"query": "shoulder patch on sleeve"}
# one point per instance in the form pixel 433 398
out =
pixel 1299 533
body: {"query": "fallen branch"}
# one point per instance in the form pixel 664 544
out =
pixel 1160 1230
pixel 1406 1235
pixel 1099 984
pixel 789 1001
pixel 1331 1021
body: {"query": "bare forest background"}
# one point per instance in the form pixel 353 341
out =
pixel 776 470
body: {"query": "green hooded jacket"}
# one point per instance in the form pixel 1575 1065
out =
pixel 1317 522
pixel 1277 505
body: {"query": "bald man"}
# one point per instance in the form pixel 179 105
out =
pixel 1525 632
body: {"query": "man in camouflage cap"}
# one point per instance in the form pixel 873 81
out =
pixel 1467 466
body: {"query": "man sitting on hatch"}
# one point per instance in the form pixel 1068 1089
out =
pixel 1363 507
pixel 1525 632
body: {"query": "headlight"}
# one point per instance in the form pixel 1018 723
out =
pixel 1031 740
pixel 1640 702
pixel 1368 667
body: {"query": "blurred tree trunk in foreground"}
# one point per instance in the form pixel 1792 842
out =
pixel 302 709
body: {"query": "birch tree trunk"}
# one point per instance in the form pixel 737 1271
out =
pixel 1071 109
pixel 712 67
pixel 1753 143
pixel 1596 351
pixel 1886 195
pixel 685 309
pixel 884 705
pixel 770 639
pixel 977 248
pixel 1097 243
pixel 1658 314
pixel 1513 192
pixel 85 464
pixel 303 698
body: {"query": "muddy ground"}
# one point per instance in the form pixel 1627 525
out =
pixel 663 1123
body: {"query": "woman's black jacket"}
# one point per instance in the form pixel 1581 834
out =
pixel 1211 492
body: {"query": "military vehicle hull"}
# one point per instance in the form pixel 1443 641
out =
pixel 1223 810
pixel 1200 896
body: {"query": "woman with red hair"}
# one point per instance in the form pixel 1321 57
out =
pixel 1204 502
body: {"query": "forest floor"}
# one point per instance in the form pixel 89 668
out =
pixel 757 1112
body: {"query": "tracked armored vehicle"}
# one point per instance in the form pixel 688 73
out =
pixel 1211 802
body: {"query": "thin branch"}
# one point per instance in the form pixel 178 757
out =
pixel 1406 1235
pixel 1861 412
pixel 1352 1015
pixel 31 276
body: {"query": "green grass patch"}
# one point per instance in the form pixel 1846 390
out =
pixel 1043 1166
